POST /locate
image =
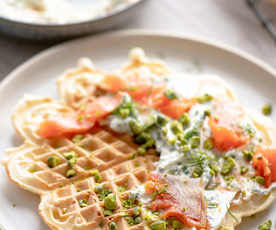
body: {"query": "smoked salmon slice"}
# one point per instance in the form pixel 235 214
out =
pixel 264 162
pixel 80 121
pixel 101 107
pixel 177 107
pixel 137 86
pixel 226 138
pixel 224 125
pixel 182 200
pixel 56 126
pixel 142 90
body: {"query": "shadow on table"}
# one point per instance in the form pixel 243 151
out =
pixel 15 51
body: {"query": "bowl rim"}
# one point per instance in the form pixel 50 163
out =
pixel 111 14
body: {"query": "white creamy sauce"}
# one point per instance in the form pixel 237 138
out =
pixel 143 197
pixel 212 85
pixel 250 188
pixel 57 11
pixel 170 155
pixel 119 125
pixel 218 203
pixel 172 158
pixel 179 81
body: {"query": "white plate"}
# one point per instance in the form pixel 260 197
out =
pixel 254 81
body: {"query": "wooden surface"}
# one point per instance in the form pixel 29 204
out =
pixel 228 21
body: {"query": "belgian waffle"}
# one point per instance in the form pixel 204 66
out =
pixel 113 156
pixel 78 85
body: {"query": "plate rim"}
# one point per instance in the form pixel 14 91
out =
pixel 15 73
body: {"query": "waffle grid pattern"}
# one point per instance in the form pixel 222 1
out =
pixel 100 150
pixel 111 155
pixel 129 175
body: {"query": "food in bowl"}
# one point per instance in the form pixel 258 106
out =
pixel 58 11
